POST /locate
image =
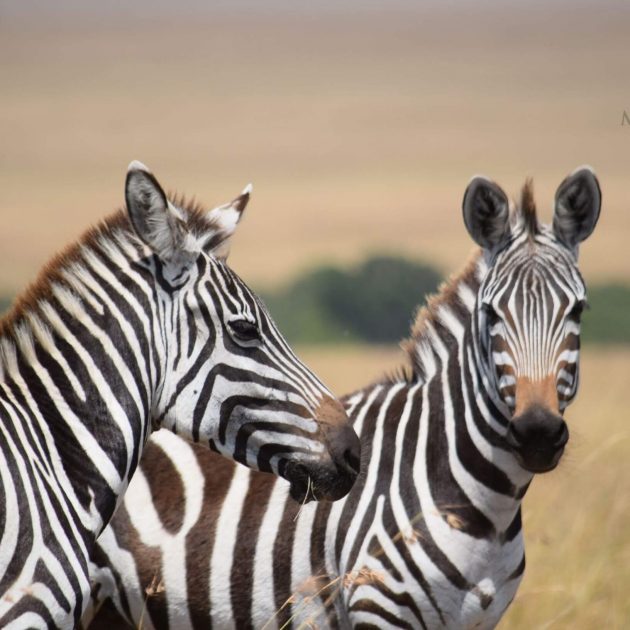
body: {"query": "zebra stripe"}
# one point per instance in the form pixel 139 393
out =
pixel 430 535
pixel 139 325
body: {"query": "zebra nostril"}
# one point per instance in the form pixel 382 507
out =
pixel 353 460
pixel 513 437
pixel 562 435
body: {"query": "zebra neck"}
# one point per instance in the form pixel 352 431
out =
pixel 435 453
pixel 434 476
pixel 75 400
pixel 465 427
pixel 489 472
pixel 462 468
pixel 478 476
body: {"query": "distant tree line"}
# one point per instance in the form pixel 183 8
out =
pixel 607 319
pixel 376 301
pixel 5 303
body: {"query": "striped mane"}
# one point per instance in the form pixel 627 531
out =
pixel 52 273
pixel 455 297
pixel 111 231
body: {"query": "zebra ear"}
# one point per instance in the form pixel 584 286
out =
pixel 486 213
pixel 223 221
pixel 153 218
pixel 577 206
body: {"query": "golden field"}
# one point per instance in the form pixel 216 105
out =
pixel 576 518
pixel 360 130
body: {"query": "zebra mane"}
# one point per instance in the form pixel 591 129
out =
pixel 112 231
pixel 197 220
pixel 455 298
pixel 526 210
pixel 51 274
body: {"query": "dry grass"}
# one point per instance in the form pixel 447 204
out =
pixel 359 133
pixel 576 519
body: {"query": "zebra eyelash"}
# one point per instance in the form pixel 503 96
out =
pixel 492 317
pixel 578 308
pixel 244 332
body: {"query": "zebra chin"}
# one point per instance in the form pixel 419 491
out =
pixel 332 476
pixel 537 438
pixel 318 482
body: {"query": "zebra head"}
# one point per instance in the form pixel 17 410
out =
pixel 227 376
pixel 528 308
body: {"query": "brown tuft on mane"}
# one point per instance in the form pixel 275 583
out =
pixel 190 205
pixel 428 316
pixel 197 219
pixel 52 272
pixel 527 208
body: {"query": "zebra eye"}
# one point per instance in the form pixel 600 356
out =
pixel 244 330
pixel 578 309
pixel 492 317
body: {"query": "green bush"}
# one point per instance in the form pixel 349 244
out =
pixel 300 310
pixel 375 302
pixel 608 318
pixel 372 303
pixel 5 303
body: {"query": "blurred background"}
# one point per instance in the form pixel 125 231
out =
pixel 359 123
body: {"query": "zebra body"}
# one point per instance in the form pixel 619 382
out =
pixel 430 535
pixel 141 324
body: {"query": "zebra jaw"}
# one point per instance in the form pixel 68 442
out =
pixel 318 484
pixel 328 478
pixel 302 488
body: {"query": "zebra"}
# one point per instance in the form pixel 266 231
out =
pixel 430 536
pixel 140 325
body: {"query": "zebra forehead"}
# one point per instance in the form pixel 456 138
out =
pixel 540 253
pixel 535 279
pixel 241 296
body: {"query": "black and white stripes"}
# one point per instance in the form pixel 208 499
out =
pixel 430 535
pixel 129 330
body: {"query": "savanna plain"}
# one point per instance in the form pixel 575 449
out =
pixel 360 134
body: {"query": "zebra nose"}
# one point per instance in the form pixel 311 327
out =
pixel 535 426
pixel 346 449
pixel 343 443
pixel 538 437
pixel 352 457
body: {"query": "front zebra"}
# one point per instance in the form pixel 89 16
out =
pixel 139 325
pixel 430 536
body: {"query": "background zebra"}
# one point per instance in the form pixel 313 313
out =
pixel 430 535
pixel 141 325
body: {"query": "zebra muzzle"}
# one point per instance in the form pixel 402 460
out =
pixel 332 476
pixel 537 438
